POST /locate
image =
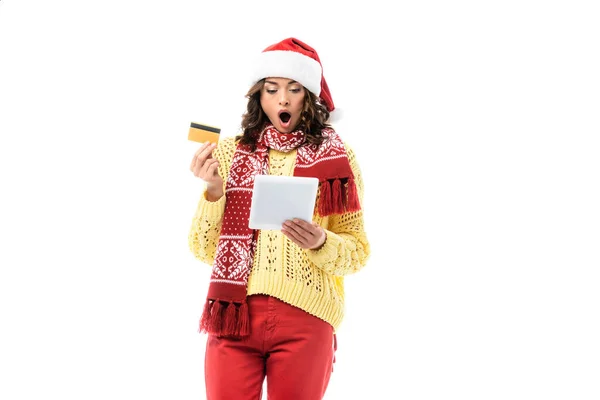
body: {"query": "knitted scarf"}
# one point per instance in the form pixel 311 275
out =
pixel 226 311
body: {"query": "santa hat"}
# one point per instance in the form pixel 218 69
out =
pixel 294 59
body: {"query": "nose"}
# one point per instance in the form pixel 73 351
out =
pixel 283 99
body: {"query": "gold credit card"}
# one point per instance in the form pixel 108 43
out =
pixel 203 133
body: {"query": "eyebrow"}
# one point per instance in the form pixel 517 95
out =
pixel 275 83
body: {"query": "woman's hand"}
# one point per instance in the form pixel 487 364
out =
pixel 307 235
pixel 205 167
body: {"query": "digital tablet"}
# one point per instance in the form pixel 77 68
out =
pixel 276 199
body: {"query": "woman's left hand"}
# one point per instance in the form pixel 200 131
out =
pixel 305 234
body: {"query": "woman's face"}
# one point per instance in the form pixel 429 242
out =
pixel 282 100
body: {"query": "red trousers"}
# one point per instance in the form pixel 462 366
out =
pixel 293 349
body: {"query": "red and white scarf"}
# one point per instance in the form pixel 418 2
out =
pixel 226 311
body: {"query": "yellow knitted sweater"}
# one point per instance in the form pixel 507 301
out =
pixel 312 280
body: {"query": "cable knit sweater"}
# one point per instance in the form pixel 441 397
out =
pixel 312 280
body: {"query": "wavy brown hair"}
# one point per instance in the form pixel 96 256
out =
pixel 312 120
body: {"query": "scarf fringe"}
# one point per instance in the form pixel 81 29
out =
pixel 353 200
pixel 225 319
pixel 338 201
pixel 338 196
pixel 325 199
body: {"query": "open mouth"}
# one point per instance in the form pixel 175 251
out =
pixel 285 117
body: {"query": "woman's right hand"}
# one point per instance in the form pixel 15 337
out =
pixel 205 167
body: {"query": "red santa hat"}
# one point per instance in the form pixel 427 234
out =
pixel 294 59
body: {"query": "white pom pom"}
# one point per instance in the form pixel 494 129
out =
pixel 335 116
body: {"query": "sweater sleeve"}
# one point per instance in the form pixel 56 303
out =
pixel 346 248
pixel 207 221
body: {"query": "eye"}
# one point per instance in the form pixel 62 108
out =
pixel 295 90
pixel 271 91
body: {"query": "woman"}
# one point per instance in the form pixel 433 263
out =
pixel 276 298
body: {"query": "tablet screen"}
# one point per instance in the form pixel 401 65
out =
pixel 276 199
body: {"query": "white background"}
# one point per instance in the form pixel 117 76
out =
pixel 476 126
